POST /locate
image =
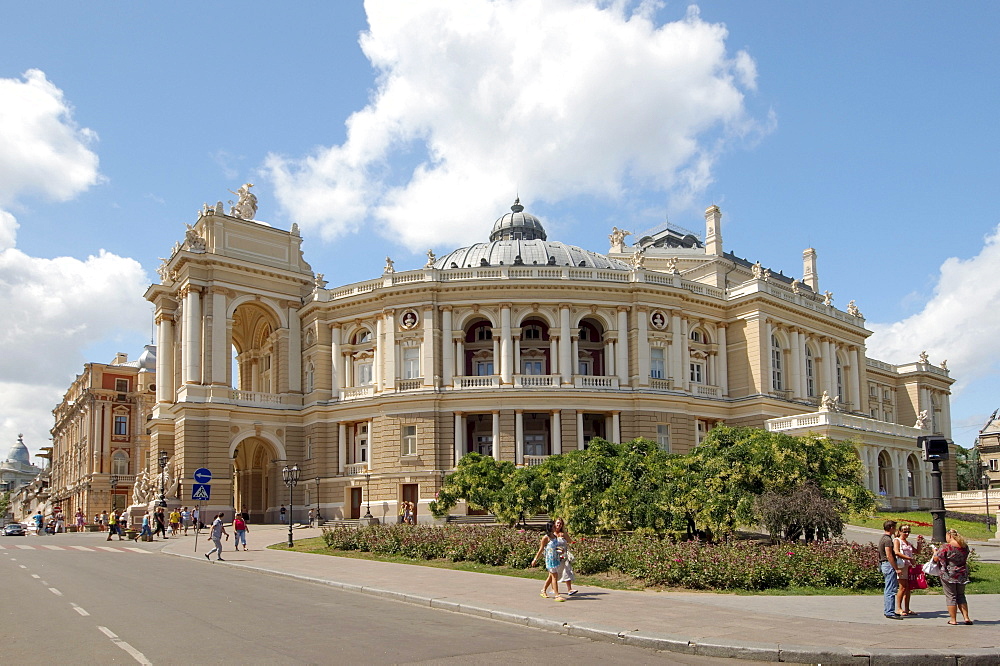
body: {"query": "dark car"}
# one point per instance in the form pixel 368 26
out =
pixel 14 529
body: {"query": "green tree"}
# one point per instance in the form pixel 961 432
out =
pixel 968 468
pixel 4 505
pixel 488 485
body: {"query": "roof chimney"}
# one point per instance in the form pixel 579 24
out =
pixel 713 231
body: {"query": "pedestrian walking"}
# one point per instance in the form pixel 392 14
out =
pixel 953 558
pixel 218 530
pixel 60 523
pixel 39 520
pixel 547 548
pixel 175 522
pixel 159 523
pixel 563 541
pixel 312 516
pixel 282 513
pixel 104 520
pixel 185 519
pixel 890 570
pixel 241 529
pixel 195 517
pixel 147 529
pixel 81 521
pixel 113 526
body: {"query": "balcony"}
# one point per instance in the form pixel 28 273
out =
pixel 816 420
pixel 477 382
pixel 357 392
pixel 255 398
pixel 536 381
pixel 410 384
pixel 707 390
pixel 531 461
pixel 594 382
pixel 356 469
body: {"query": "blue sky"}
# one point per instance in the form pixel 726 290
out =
pixel 865 130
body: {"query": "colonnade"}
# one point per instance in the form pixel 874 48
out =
pixel 824 372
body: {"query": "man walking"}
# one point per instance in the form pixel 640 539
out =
pixel 890 569
pixel 282 512
pixel 160 523
pixel 218 529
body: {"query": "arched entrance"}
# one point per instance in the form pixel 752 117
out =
pixel 253 478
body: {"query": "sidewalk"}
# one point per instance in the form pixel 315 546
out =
pixel 818 629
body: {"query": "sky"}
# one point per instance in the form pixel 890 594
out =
pixel 865 130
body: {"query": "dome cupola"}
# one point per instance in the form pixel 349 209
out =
pixel 517 225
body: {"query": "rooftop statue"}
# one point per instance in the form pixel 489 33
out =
pixel 924 358
pixel 672 266
pixel 827 298
pixel 921 419
pixel 828 404
pixel 758 271
pixel 192 240
pixel 246 207
pixel 852 309
pixel 637 258
pixel 390 267
pixel 617 238
pixel 430 259
pixel 795 286
pixel 319 282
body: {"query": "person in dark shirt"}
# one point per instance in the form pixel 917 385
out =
pixel 890 570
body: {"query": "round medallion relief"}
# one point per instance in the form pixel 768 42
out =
pixel 408 320
pixel 658 319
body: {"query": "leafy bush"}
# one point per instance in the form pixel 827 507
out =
pixel 656 561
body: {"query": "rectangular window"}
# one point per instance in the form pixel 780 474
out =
pixel 886 395
pixel 121 424
pixel 873 391
pixel 484 368
pixel 584 367
pixel 309 449
pixel 702 427
pixel 532 367
pixel 663 437
pixel 121 385
pixel 484 445
pixel 364 374
pixel 657 365
pixel 697 373
pixel 484 333
pixel 534 445
pixel 994 465
pixel 875 414
pixel 776 377
pixel 410 440
pixel 888 416
pixel 411 362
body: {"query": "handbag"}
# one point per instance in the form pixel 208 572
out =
pixel 931 568
pixel 921 582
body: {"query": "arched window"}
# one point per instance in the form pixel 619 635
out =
pixel 310 376
pixel 362 336
pixel 119 463
pixel 810 374
pixel 777 375
pixel 911 477
pixel 840 382
pixel 696 336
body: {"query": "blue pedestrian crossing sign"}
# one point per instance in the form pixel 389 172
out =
pixel 202 475
pixel 201 492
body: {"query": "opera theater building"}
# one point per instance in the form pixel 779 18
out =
pixel 518 347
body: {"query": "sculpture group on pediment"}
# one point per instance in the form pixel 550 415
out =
pixel 795 286
pixel 430 259
pixel 924 358
pixel 390 266
pixel 192 240
pixel 852 309
pixel 246 206
pixel 758 271
pixel 921 420
pixel 672 266
pixel 828 404
pixel 617 238
pixel 637 258
pixel 319 282
pixel 827 298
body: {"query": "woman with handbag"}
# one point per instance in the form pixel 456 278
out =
pixel 566 558
pixel 953 558
pixel 549 548
pixel 906 557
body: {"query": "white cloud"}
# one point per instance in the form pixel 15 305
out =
pixel 42 151
pixel 480 99
pixel 957 323
pixel 53 308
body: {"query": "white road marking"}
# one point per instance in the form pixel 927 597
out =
pixel 35 576
pixel 79 610
pixel 136 550
pixel 22 566
pixel 55 592
pixel 23 547
pixel 107 632
pixel 138 656
pixel 84 548
pixel 54 547
pixel 110 549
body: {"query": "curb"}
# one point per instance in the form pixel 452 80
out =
pixel 746 650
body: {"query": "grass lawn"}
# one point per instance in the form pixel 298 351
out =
pixel 985 581
pixel 971 531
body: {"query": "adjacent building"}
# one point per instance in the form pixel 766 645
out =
pixel 519 347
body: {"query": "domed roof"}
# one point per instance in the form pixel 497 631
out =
pixel 19 452
pixel 517 225
pixel 147 360
pixel 518 239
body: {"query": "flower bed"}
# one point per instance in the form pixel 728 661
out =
pixel 736 565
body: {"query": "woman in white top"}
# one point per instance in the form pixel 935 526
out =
pixel 906 557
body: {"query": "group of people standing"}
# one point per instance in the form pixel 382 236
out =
pixel 407 513
pixel 554 547
pixel 898 563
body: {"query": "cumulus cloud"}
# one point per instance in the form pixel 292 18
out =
pixel 956 323
pixel 56 308
pixel 42 151
pixel 477 99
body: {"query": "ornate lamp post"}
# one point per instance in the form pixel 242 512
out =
pixel 163 458
pixel 114 493
pixel 291 476
pixel 368 496
pixel 986 487
pixel 318 517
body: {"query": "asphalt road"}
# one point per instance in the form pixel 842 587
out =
pixel 76 599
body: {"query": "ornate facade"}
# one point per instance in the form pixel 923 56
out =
pixel 519 347
pixel 99 440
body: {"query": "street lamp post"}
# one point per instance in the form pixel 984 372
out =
pixel 114 493
pixel 319 518
pixel 368 497
pixel 986 487
pixel 163 458
pixel 291 476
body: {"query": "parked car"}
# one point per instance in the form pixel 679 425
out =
pixel 14 529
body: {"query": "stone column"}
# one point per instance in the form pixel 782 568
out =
pixel 642 346
pixel 497 355
pixel 768 384
pixel 722 366
pixel 165 358
pixel 460 355
pixel 553 352
pixel 389 355
pixel 294 349
pixel 341 448
pixel 380 351
pixel 519 437
pixel 220 331
pixel 677 367
pixel 459 436
pixel 685 352
pixel 447 347
pixel 616 428
pixel 621 361
pixel 945 424
pixel 556 427
pixel 427 353
pixel 496 435
pixel 336 360
pixel 855 381
pixel 579 430
pixel 506 345
pixel 565 346
pixel 609 355
pixel 794 364
pixel 191 349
